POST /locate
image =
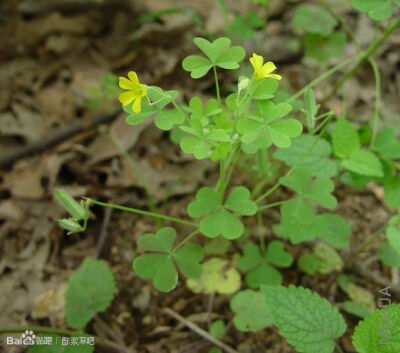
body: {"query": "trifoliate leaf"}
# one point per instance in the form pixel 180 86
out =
pixel 90 291
pixel 379 332
pixel 363 162
pixel 307 321
pixel 217 246
pixel 259 267
pixel 388 255
pixel 387 145
pixel 263 89
pixel 251 311
pixel 345 139
pixel 219 53
pixel 77 344
pixel 269 128
pixel 313 151
pixel 198 147
pixel 159 264
pixel 376 9
pixel 218 219
pixel 314 20
pixel 217 276
pixel 318 190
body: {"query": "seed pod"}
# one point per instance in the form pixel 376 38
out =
pixel 71 225
pixel 74 208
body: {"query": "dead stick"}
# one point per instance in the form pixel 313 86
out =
pixel 196 329
pixel 8 158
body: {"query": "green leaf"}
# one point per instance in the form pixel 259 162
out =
pixel 217 276
pixel 77 344
pixel 330 260
pixel 314 20
pixel 269 128
pixel 198 147
pixel 167 119
pixel 90 291
pixel 309 263
pixel 379 332
pixel 322 49
pixel 336 230
pixel 251 311
pixel 196 65
pixel 217 329
pixel 159 265
pixel 307 321
pixel 376 9
pixel 217 246
pixel 356 309
pixel 388 255
pixel 217 218
pixel 387 145
pixel 345 139
pixel 315 159
pixel 318 190
pixel 364 162
pixel 259 267
pixel 263 89
pixel 393 237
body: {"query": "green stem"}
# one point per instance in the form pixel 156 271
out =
pixel 364 56
pixel 217 84
pixel 221 179
pixel 321 78
pixel 377 76
pixel 62 332
pixel 260 232
pixel 139 175
pixel 299 161
pixel 144 213
pixel 186 239
pixel 271 205
pixel 178 106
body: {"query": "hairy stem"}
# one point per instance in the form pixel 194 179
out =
pixel 377 76
pixel 217 85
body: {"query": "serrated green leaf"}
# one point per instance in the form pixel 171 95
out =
pixel 363 162
pixel 345 139
pixel 90 291
pixel 217 276
pixel 317 160
pixel 314 20
pixel 379 332
pixel 387 145
pixel 307 321
pixel 251 311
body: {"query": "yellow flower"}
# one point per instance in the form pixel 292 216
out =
pixel 135 91
pixel 262 70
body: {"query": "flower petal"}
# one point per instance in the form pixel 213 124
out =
pixel 268 68
pixel 126 97
pixel 124 83
pixel 136 106
pixel 256 61
pixel 275 77
pixel 133 77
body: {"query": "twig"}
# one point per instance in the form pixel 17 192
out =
pixel 194 347
pixel 196 329
pixel 8 158
pixel 103 231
